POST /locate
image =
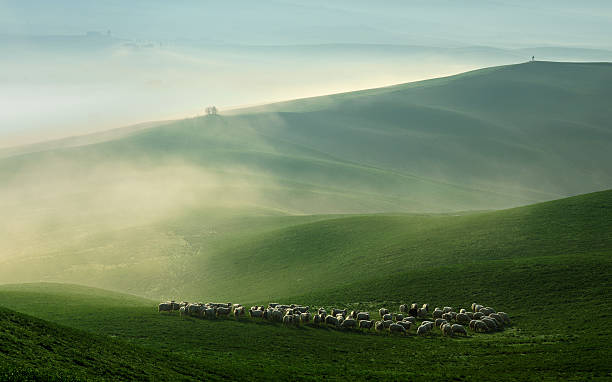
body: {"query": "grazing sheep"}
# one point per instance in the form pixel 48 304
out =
pixel 349 323
pixel 331 320
pixel 336 312
pixel 421 313
pixel 437 313
pixel 425 307
pixel 447 309
pixel 353 314
pixel 505 317
pixel 256 313
pixel 491 324
pixel 462 311
pixel 485 311
pixel 223 311
pixel 414 310
pixel 476 307
pixel 439 322
pixel 410 319
pixel 498 319
pixel 383 311
pixel 478 315
pixel 305 317
pixel 387 323
pixel 182 311
pixel 363 316
pixel 459 329
pixel 273 305
pixel 397 328
pixel 379 326
pixel 447 316
pixel 470 315
pixel 302 309
pixel 316 319
pixel 239 311
pixel 447 330
pixel 209 313
pixel 287 319
pixel 423 330
pixel 296 318
pixel 405 324
pixel 387 316
pixel 276 315
pixel 403 308
pixel 322 311
pixel 164 307
pixel 366 324
pixel 399 317
pixel 428 323
pixel 462 318
pixel 491 310
pixel 480 327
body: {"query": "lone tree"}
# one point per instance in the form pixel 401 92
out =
pixel 211 110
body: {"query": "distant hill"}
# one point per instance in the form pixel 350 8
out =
pixel 140 209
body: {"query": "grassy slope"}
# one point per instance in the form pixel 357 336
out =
pixel 548 265
pixel 33 349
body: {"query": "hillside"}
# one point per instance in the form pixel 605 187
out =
pixel 547 265
pixel 34 350
pixel 185 205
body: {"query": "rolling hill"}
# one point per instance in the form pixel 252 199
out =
pixel 185 205
pixel 547 265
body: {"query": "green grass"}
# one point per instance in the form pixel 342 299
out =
pixel 548 265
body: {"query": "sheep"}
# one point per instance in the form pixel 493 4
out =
pixel 256 313
pixel 425 307
pixel 335 312
pixel 305 317
pixel 182 311
pixel 485 311
pixel 363 316
pixel 498 319
pixel 470 315
pixel 239 311
pixel 387 323
pixel 462 318
pixel 273 305
pixel 491 310
pixel 410 319
pixel 459 329
pixel 349 323
pixel 383 311
pixel 302 309
pixel 405 324
pixel 462 311
pixel 447 309
pixel 447 316
pixel 223 311
pixel 366 324
pixel 422 330
pixel 322 311
pixel 439 322
pixel 505 317
pixel 421 313
pixel 331 320
pixel 287 319
pixel 428 323
pixel 379 326
pixel 447 330
pixel 387 316
pixel 296 318
pixel 403 308
pixel 414 310
pixel 437 313
pixel 164 307
pixel 491 324
pixel 208 313
pixel 397 328
pixel 399 317
pixel 478 315
pixel 353 314
pixel 276 315
pixel 479 326
pixel 476 307
pixel 316 319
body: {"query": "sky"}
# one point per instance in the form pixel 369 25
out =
pixel 72 67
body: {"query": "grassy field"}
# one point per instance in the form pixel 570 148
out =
pixel 547 265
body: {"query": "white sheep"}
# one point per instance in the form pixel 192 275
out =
pixel 365 324
pixel 505 317
pixel 423 329
pixel 459 329
pixel 379 326
pixel 363 316
pixel 349 323
pixel 397 328
pixel 447 330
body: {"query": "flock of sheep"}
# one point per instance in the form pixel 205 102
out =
pixel 479 319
